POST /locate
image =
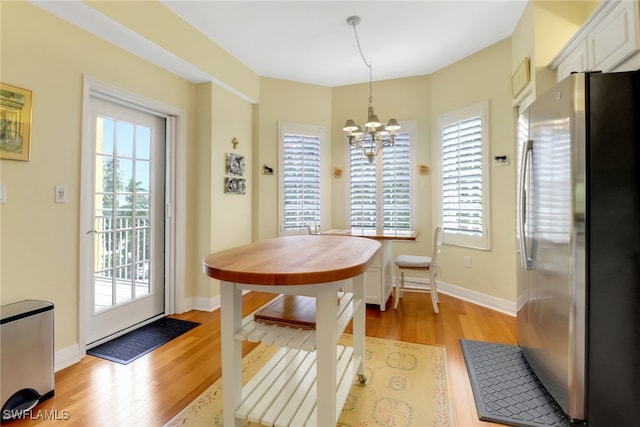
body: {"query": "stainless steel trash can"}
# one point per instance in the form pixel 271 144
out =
pixel 26 356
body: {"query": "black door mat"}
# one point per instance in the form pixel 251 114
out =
pixel 132 345
pixel 505 388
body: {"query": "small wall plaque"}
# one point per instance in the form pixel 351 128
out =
pixel 520 78
pixel 235 185
pixel 235 164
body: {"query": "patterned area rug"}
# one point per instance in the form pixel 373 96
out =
pixel 407 385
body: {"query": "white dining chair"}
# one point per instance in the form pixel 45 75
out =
pixel 408 263
pixel 313 227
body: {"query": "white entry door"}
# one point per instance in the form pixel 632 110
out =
pixel 128 219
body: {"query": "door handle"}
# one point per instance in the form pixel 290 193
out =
pixel 522 209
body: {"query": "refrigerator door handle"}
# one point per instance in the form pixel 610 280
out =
pixel 524 256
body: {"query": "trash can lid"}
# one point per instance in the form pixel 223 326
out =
pixel 21 309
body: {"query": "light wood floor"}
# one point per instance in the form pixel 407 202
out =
pixel 154 388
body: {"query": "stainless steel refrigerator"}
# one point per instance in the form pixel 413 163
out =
pixel 579 244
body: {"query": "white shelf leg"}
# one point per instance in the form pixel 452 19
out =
pixel 359 321
pixel 326 342
pixel 230 322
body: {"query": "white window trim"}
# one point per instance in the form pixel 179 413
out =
pixel 294 128
pixel 473 242
pixel 406 126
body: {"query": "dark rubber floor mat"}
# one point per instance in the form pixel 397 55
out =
pixel 505 388
pixel 132 345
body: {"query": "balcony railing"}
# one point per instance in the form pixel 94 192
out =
pixel 122 260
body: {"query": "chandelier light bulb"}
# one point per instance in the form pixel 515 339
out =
pixel 350 126
pixel 373 122
pixel 392 125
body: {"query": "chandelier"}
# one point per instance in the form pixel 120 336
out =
pixel 371 136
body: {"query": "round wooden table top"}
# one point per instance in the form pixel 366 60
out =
pixel 293 260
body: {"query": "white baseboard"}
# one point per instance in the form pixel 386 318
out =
pixel 475 297
pixel 68 356
pixel 484 300
pixel 202 304
pixel 478 298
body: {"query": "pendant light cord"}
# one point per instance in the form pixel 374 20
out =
pixel 355 32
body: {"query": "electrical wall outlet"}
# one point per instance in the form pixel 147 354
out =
pixel 467 261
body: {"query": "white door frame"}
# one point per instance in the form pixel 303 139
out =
pixel 175 199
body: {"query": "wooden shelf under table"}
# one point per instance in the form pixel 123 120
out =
pixel 291 337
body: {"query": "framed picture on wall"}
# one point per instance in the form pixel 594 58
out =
pixel 15 122
pixel 235 185
pixel 235 164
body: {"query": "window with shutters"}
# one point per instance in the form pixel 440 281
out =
pixel 299 177
pixel 380 192
pixel 464 177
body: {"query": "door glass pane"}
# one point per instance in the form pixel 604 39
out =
pixel 104 135
pixel 142 176
pixel 122 213
pixel 104 175
pixel 143 143
pixel 125 173
pixel 124 138
pixel 123 284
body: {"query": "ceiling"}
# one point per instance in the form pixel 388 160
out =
pixel 311 42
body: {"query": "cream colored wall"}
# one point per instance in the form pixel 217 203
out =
pixel 201 192
pixel 522 41
pixel 485 75
pixel 590 7
pixel 231 214
pixel 290 102
pixel 224 220
pixel 39 244
pixel 554 25
pixel 40 239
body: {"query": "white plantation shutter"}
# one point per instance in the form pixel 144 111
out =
pixel 464 177
pixel 396 181
pixel 363 191
pixel 380 192
pixel 299 177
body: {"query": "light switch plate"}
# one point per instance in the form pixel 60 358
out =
pixel 61 194
pixel 3 193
